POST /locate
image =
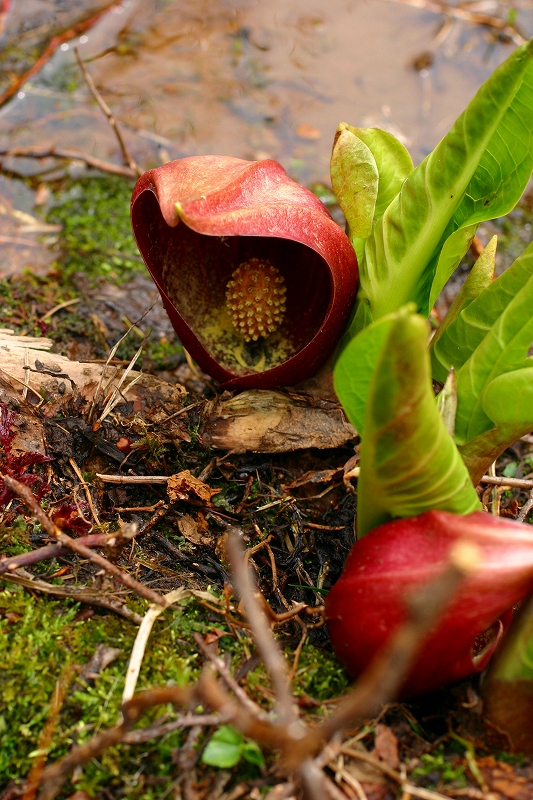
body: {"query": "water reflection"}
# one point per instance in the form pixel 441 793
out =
pixel 250 79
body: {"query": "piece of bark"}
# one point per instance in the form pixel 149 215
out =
pixel 273 422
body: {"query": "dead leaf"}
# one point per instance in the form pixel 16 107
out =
pixel 272 422
pixel 307 131
pixel 188 528
pixel 386 746
pixel 215 635
pixel 318 476
pixel 184 486
pixel 221 547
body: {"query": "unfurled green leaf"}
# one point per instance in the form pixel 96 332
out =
pixel 409 463
pixel 354 177
pixel 508 686
pixel 508 403
pixel 447 402
pixel 453 251
pixel 478 171
pixel 453 342
pixel 393 162
pixel 503 349
pixel 355 368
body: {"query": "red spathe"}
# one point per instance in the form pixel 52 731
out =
pixel 366 605
pixel 196 219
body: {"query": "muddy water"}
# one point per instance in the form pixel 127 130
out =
pixel 249 78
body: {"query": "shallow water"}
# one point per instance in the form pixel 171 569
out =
pixel 241 77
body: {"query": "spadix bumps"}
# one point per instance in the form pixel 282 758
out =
pixel 255 298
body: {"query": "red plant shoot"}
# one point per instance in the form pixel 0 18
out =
pixel 256 277
pixel 366 605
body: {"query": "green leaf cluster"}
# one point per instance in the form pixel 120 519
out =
pixel 410 228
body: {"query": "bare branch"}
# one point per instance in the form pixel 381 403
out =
pixel 266 644
pixel 127 158
pixel 68 155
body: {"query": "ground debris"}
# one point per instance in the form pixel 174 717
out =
pixel 273 422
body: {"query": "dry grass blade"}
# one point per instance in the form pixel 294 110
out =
pixel 118 393
pixel 141 640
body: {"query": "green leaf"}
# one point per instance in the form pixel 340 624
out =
pixel 360 319
pixel 508 403
pixel 508 400
pixel 453 251
pixel 514 659
pixel 452 344
pixel 354 177
pixel 251 752
pixel 478 171
pixel 354 369
pixel 503 349
pixel 409 463
pixel 225 748
pixel 447 402
pixel 393 162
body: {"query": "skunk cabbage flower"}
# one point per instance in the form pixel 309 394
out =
pixel 256 277
pixel 366 605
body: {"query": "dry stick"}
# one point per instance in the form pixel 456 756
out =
pixel 85 489
pixel 127 158
pixel 132 478
pixel 186 721
pixel 68 155
pixel 50 551
pixel 80 596
pixel 266 644
pixel 526 508
pixel 514 483
pixel 475 17
pixel 73 544
pixel 220 666
pixel 385 675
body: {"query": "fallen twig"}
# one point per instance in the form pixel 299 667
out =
pixel 52 46
pixel 68 155
pixel 73 593
pixel 266 644
pixel 526 508
pixel 127 158
pixel 475 17
pixel 513 483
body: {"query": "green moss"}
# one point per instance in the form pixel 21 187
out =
pixel 440 766
pixel 38 637
pixel 97 238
